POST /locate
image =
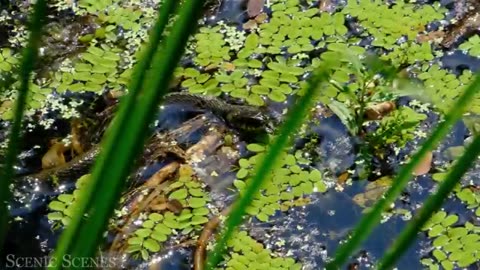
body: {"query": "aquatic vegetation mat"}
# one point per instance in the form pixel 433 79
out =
pixel 389 84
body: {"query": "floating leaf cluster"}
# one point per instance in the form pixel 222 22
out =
pixel 468 195
pixel 411 53
pixel 7 60
pixel 97 68
pixel 471 46
pixel 442 88
pixel 160 225
pixel 246 253
pixel 286 188
pixel 388 24
pixel 62 207
pixel 211 47
pixel 454 246
pixel 198 83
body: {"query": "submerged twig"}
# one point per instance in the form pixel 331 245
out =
pixel 208 231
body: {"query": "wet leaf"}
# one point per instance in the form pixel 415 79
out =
pixel 160 237
pixel 255 7
pixel 424 166
pixel 255 147
pixel 57 206
pixel 163 229
pixel 143 232
pixel 152 245
pixel 155 217
pixel 179 194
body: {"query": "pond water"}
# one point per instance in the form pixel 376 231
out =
pixel 341 162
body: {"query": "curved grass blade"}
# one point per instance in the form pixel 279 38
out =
pixel 122 143
pixel 29 56
pixel 294 119
pixel 432 205
pixel 370 220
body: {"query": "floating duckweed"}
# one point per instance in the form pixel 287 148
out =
pixel 198 83
pixel 246 252
pixel 438 84
pixel 471 46
pixel 99 67
pixel 7 60
pixel 289 182
pixel 454 246
pixel 411 53
pixel 62 207
pixel 158 227
pixel 387 24
pixel 210 47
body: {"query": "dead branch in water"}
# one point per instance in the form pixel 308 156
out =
pixel 208 231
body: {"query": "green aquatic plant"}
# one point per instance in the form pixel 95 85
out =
pixel 198 83
pixel 387 24
pixel 269 161
pixel 471 46
pixel 210 47
pixel 8 60
pixel 438 85
pixel 453 245
pixel 466 194
pixel 27 62
pixel 159 226
pixel 409 53
pixel 82 236
pixel 246 253
pixel 62 207
pixel 368 222
pixel 92 6
pixel 396 129
pixel 288 183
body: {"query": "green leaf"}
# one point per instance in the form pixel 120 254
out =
pixel 152 245
pixel 197 220
pixel 253 147
pixel 197 202
pixel 155 217
pixel 450 220
pixel 143 232
pixel 135 241
pixel 277 96
pixel 148 224
pixel 57 206
pixel 179 194
pixel 242 173
pixel 55 216
pixel 163 229
pixel 160 237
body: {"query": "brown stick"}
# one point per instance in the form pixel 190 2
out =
pixel 208 231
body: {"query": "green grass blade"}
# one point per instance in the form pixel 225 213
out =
pixel 129 130
pixel 294 119
pixel 30 54
pixel 370 220
pixel 432 205
pixel 127 105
